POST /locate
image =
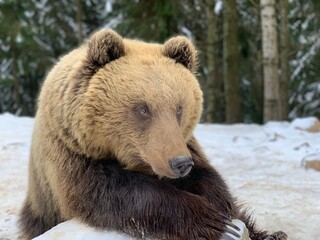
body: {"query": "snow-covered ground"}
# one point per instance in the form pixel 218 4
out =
pixel 261 164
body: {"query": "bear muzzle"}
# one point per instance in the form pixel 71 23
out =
pixel 181 165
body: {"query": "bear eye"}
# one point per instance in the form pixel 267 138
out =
pixel 179 110
pixel 179 113
pixel 143 111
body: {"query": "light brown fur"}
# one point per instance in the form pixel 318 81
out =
pixel 96 125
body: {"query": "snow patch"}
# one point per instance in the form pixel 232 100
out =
pixel 75 230
pixel 304 123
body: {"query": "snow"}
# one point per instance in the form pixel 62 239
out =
pixel 261 164
pixel 218 7
pixel 15 135
pixel 304 123
pixel 307 57
pixel 75 230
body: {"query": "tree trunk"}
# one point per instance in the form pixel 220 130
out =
pixel 210 52
pixel 259 85
pixel 79 21
pixel 284 60
pixel 270 61
pixel 15 75
pixel 231 72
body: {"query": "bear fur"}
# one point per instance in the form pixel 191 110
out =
pixel 112 114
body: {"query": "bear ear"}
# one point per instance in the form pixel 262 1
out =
pixel 182 51
pixel 105 46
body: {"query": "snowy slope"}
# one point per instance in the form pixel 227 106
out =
pixel 261 164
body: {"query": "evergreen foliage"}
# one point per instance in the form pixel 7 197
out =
pixel 35 33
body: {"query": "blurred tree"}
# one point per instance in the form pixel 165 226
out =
pixel 270 61
pixel 79 20
pixel 284 59
pixel 15 51
pixel 251 61
pixel 231 72
pixel 149 20
pixel 219 88
pixel 211 76
pixel 304 56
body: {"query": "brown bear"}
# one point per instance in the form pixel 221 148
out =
pixel 113 146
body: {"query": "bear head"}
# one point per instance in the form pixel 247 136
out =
pixel 140 103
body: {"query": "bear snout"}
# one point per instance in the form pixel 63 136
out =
pixel 181 165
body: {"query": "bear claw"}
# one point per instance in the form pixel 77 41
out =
pixel 236 230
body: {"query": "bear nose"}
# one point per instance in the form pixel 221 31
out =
pixel 181 165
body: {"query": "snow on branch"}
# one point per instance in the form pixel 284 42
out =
pixel 306 58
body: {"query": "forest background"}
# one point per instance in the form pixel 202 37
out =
pixel 258 60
